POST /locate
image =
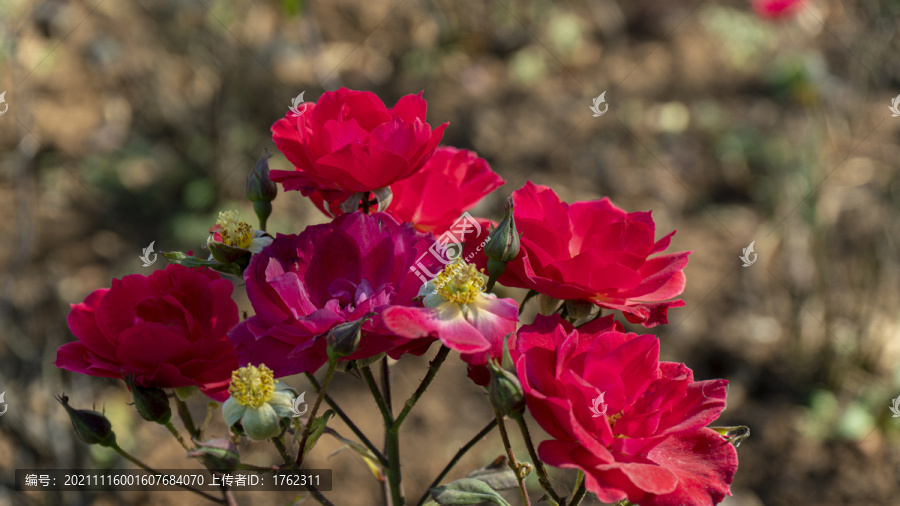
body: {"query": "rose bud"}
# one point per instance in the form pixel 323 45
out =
pixel 261 190
pixel 343 339
pixel 91 427
pixel 505 391
pixel 151 403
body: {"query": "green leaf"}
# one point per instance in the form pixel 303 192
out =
pixel 317 427
pixel 369 458
pixel 497 474
pixel 467 491
pixel 178 257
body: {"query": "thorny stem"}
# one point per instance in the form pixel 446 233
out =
pixel 343 416
pixel 462 451
pixel 391 439
pixel 332 364
pixel 185 415
pixel 538 464
pixel 286 456
pixel 579 490
pixel 513 463
pixel 177 435
pixel 432 371
pixel 118 449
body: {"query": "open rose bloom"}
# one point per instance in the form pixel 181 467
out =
pixel 409 271
pixel 301 286
pixel 596 252
pixel 636 426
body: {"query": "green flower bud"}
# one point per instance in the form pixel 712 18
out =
pixel 91 427
pixel 580 308
pixel 151 403
pixel 343 339
pixel 217 454
pixel 259 186
pixel 503 244
pixel 505 392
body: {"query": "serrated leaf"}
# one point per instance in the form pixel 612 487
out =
pixel 368 458
pixel 317 427
pixel 497 474
pixel 467 491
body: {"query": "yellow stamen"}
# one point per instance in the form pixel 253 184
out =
pixel 460 282
pixel 252 386
pixel 235 232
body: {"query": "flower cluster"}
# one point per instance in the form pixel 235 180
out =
pixel 396 270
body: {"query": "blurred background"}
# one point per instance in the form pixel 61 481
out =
pixel 136 121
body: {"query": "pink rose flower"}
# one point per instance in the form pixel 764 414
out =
pixel 461 315
pixel 636 426
pixel 168 329
pixel 350 142
pixel 301 286
pixel 597 252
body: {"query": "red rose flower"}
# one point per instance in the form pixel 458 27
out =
pixel 168 329
pixel 350 142
pixel 451 182
pixel 596 252
pixel 636 426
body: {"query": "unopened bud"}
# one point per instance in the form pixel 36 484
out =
pixel 259 186
pixel 503 245
pixel 217 454
pixel 343 339
pixel 91 427
pixel 505 391
pixel 151 403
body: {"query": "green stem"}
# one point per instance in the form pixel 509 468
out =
pixel 118 449
pixel 286 456
pixel 432 371
pixel 392 444
pixel 185 414
pixel 391 439
pixel 379 400
pixel 579 490
pixel 177 435
pixel 513 463
pixel 462 451
pixel 332 364
pixel 343 416
pixel 538 464
pixel 386 383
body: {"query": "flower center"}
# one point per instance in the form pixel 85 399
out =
pixel 252 386
pixel 234 231
pixel 459 282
